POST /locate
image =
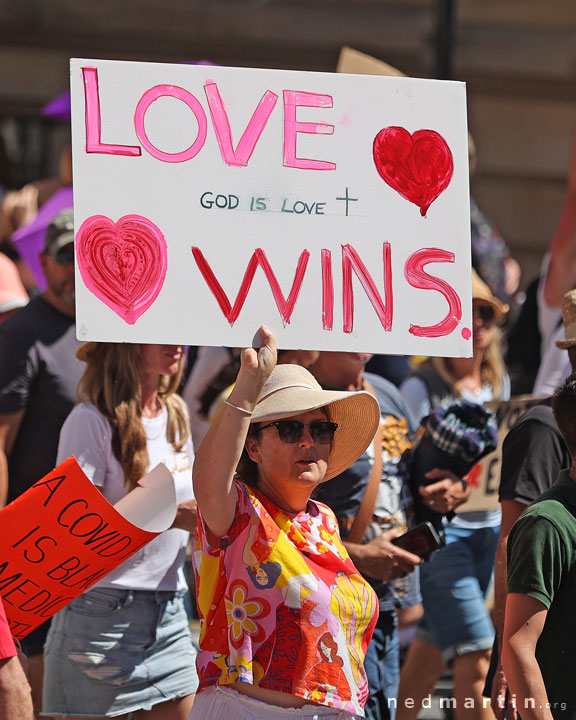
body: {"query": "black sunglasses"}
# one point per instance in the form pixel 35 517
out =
pixel 64 256
pixel 486 313
pixel 290 431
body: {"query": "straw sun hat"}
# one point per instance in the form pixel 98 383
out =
pixel 292 390
pixel 481 291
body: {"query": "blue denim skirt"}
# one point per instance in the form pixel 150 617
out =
pixel 111 652
pixel 454 584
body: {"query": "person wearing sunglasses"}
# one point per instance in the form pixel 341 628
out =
pixel 456 627
pixel 277 592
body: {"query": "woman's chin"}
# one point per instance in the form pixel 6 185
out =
pixel 313 476
pixel 481 339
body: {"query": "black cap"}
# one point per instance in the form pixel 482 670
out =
pixel 60 232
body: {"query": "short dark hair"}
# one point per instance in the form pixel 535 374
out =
pixel 564 408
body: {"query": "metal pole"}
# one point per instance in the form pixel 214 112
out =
pixel 444 39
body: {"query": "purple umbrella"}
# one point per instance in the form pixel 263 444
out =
pixel 29 239
pixel 59 108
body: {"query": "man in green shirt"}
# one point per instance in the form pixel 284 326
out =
pixel 539 645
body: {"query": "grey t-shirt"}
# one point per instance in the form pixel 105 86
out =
pixel 39 373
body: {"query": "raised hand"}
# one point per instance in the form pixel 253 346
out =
pixel 260 360
pixel 256 366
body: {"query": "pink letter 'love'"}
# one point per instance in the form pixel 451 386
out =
pixel 251 135
pixel 187 98
pixel 93 121
pixel 292 100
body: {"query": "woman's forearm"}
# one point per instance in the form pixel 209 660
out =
pixel 216 461
pixel 219 453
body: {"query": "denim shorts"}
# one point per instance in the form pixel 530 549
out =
pixel 454 584
pixel 382 666
pixel 111 652
pixel 220 702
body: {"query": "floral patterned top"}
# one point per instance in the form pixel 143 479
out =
pixel 282 605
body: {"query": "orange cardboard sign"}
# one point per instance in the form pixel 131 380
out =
pixel 59 538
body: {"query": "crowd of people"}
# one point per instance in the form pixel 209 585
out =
pixel 293 474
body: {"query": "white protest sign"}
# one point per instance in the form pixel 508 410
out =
pixel 332 207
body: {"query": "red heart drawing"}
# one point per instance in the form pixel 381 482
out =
pixel 418 166
pixel 124 263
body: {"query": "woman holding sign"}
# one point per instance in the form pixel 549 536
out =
pixel 124 646
pixel 286 617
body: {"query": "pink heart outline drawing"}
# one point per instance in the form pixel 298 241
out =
pixel 124 263
pixel 418 166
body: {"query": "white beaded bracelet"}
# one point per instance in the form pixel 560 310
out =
pixel 246 412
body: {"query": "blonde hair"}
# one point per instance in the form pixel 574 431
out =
pixel 111 382
pixel 492 368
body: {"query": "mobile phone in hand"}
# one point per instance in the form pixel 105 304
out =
pixel 421 540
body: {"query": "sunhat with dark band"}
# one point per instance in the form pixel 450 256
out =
pixel 481 291
pixel 292 390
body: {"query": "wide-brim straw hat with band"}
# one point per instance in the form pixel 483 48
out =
pixel 569 320
pixel 481 291
pixel 292 390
